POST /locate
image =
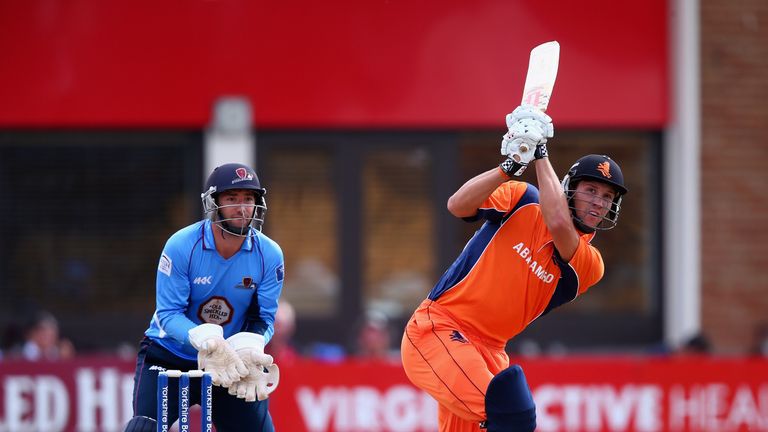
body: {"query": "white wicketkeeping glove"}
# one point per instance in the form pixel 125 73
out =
pixel 216 356
pixel 528 128
pixel 263 375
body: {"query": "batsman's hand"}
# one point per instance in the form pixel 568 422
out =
pixel 528 131
pixel 216 356
pixel 263 375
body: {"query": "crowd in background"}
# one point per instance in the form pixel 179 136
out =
pixel 39 339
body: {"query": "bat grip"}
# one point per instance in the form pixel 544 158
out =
pixel 523 148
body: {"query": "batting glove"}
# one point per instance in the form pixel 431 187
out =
pixel 528 128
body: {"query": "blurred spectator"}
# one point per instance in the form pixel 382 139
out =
pixel 126 350
pixel 525 347
pixel 374 338
pixel 327 352
pixel 42 340
pixel 281 346
pixel 760 340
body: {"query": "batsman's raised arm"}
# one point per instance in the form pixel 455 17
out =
pixel 528 129
pixel 555 211
pixel 465 201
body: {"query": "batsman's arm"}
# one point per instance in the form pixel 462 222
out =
pixel 471 195
pixel 555 211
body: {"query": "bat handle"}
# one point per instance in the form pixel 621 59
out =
pixel 523 148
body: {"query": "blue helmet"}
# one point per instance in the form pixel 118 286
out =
pixel 228 177
pixel 599 168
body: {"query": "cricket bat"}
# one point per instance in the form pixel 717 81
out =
pixel 542 71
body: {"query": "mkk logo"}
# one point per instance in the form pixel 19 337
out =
pixel 203 280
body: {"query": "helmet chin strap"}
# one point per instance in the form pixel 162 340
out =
pixel 580 225
pixel 587 229
pixel 225 226
pixel 228 228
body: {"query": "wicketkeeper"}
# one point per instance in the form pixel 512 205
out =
pixel 218 283
pixel 531 255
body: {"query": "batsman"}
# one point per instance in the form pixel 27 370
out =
pixel 218 283
pixel 531 255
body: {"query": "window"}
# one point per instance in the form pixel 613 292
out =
pixel 85 218
pixel 302 215
pixel 398 229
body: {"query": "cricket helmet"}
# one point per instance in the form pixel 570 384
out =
pixel 229 177
pixel 599 168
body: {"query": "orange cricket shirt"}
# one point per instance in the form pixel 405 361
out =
pixel 510 273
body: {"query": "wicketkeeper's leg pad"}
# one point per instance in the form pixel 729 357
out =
pixel 141 424
pixel 509 403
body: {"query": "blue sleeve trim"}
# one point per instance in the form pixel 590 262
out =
pixel 530 196
pixel 567 287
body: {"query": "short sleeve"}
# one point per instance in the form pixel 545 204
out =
pixel 588 264
pixel 501 202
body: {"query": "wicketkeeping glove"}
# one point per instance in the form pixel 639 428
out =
pixel 216 356
pixel 263 375
pixel 259 384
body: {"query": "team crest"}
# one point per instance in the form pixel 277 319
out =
pixel 605 169
pixel 247 283
pixel 242 175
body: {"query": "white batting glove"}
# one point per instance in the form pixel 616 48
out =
pixel 530 112
pixel 216 356
pixel 528 128
pixel 263 375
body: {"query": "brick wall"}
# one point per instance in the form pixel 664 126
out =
pixel 734 180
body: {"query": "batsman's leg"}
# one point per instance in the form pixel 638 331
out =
pixel 509 403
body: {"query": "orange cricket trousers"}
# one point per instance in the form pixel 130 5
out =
pixel 452 364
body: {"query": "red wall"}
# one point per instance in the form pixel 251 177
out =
pixel 346 64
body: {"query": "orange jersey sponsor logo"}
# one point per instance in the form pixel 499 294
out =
pixel 605 169
pixel 534 267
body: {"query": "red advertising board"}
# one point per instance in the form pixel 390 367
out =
pixel 345 64
pixel 571 393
